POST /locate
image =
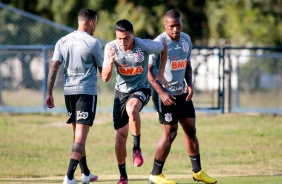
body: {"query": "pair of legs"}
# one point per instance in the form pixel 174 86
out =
pixel 81 109
pixel 133 107
pixel 169 133
pixel 127 107
pixel 182 113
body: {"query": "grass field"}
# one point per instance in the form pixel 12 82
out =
pixel 35 148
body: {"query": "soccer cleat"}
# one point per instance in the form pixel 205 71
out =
pixel 86 179
pixel 137 158
pixel 202 176
pixel 160 179
pixel 68 181
pixel 122 180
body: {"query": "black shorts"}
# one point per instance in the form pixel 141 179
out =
pixel 171 114
pixel 81 108
pixel 120 116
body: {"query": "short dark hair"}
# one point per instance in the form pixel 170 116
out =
pixel 124 26
pixel 172 14
pixel 87 14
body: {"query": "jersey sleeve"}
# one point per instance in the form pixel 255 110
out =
pixel 153 58
pixel 107 55
pixel 151 46
pixel 190 48
pixel 57 55
pixel 98 55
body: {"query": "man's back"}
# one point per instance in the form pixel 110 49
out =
pixel 80 54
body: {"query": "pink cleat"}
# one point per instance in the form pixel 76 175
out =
pixel 122 180
pixel 137 158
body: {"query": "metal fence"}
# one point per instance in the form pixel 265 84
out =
pixel 254 79
pixel 23 74
pixel 228 79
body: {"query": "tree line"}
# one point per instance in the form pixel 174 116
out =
pixel 214 22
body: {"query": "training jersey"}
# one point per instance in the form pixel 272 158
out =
pixel 132 67
pixel 80 54
pixel 178 55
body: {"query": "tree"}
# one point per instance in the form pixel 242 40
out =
pixel 245 23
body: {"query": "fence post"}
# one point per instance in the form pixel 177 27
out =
pixel 222 56
pixel 44 81
pixel 1 103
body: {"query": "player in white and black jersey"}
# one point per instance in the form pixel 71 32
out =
pixel 129 56
pixel 82 56
pixel 174 103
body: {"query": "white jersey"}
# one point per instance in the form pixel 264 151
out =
pixel 81 54
pixel 132 67
pixel 178 55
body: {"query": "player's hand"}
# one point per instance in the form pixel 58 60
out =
pixel 50 101
pixel 112 54
pixel 189 90
pixel 162 80
pixel 167 99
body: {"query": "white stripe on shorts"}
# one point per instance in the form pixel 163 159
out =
pixel 160 104
pixel 93 102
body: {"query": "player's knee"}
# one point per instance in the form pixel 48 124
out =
pixel 121 138
pixel 132 110
pixel 170 136
pixel 191 133
pixel 173 136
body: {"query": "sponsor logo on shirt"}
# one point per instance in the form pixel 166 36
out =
pixel 177 47
pixel 74 88
pixel 129 71
pixel 128 56
pixel 81 115
pixel 175 88
pixel 179 64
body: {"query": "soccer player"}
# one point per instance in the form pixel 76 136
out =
pixel 129 56
pixel 174 104
pixel 82 56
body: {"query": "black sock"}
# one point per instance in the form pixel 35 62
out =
pixel 196 163
pixel 158 167
pixel 83 166
pixel 72 166
pixel 136 140
pixel 122 170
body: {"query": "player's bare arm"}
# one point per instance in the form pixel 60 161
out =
pixel 53 71
pixel 100 71
pixel 108 70
pixel 188 78
pixel 166 98
pixel 160 75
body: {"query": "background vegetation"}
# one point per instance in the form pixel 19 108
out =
pixel 214 22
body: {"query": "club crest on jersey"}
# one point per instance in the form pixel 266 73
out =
pixel 139 56
pixel 185 46
pixel 168 117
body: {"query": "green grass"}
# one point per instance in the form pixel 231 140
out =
pixel 35 148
